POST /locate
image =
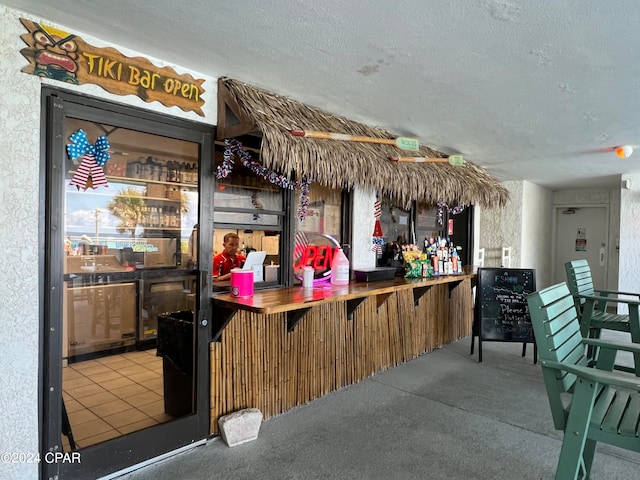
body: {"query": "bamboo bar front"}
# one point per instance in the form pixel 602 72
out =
pixel 259 364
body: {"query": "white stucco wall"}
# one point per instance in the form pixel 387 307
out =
pixel 614 239
pixel 19 210
pixel 502 227
pixel 523 224
pixel 629 266
pixel 19 217
pixel 536 232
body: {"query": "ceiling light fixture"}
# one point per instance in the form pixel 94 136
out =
pixel 624 151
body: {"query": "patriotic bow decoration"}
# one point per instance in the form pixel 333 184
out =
pixel 377 229
pixel 93 157
pixel 81 146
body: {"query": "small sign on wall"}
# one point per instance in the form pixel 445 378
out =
pixel 506 257
pixel 581 240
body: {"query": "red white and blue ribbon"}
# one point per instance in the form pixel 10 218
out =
pixel 81 146
pixel 89 173
pixel 377 239
pixel 233 147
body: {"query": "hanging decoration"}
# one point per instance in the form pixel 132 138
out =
pixel 234 148
pixel 89 173
pixel 453 211
pixel 377 239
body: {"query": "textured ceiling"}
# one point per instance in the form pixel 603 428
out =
pixel 540 90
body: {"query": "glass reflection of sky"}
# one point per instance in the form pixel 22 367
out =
pixel 81 209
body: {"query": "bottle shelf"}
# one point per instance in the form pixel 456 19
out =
pixel 176 229
pixel 152 199
pixel 263 188
pixel 162 199
pixel 139 181
pixel 143 181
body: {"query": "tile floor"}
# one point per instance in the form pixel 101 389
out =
pixel 112 396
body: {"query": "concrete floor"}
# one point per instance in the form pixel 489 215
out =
pixel 443 416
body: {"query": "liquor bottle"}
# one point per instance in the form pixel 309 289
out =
pixel 144 218
pixel 165 217
pixel 436 265
pixel 155 218
pixel 454 261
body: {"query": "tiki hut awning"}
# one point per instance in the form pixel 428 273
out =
pixel 244 109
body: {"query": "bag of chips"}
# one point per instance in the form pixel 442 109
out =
pixel 417 263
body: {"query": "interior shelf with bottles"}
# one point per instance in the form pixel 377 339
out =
pixel 152 169
pixel 164 183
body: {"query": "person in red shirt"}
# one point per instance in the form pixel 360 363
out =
pixel 227 259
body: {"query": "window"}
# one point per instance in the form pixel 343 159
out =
pixel 265 216
pixel 324 214
pixel 427 225
pixel 320 233
pixel 396 229
pixel 253 208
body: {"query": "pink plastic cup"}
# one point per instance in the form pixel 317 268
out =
pixel 241 283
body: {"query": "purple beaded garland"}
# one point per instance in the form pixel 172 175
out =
pixel 234 148
pixel 453 211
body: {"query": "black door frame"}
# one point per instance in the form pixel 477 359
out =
pixel 463 232
pixel 122 452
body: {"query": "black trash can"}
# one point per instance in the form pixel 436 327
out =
pixel 175 346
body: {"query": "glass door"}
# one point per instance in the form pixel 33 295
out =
pixel 127 364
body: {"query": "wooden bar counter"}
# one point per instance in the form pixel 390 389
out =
pixel 284 347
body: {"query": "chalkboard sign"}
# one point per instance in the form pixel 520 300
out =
pixel 502 313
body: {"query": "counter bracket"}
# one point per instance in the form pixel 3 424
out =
pixel 382 298
pixel 418 292
pixel 294 316
pixel 453 285
pixel 352 305
pixel 222 316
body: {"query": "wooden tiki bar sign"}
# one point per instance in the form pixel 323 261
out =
pixel 63 56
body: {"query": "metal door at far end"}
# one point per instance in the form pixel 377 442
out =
pixel 582 233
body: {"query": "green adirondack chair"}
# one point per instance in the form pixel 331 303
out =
pixel 597 318
pixel 604 405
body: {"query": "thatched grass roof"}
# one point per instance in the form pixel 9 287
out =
pixel 338 164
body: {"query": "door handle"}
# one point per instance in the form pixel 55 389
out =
pixel 601 257
pixel 204 278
